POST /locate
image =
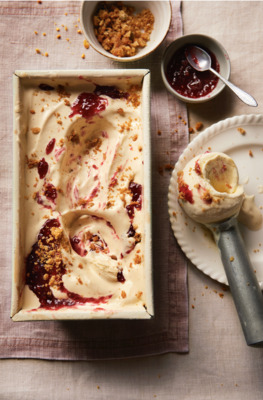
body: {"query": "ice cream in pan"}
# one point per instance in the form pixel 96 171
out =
pixel 84 199
pixel 210 193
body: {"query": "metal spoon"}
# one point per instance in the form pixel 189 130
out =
pixel 200 60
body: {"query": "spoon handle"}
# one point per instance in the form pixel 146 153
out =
pixel 244 96
pixel 242 280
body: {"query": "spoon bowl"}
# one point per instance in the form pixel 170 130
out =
pixel 200 60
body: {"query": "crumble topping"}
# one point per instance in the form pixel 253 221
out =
pixel 120 31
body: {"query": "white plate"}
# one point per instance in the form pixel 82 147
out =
pixel 224 137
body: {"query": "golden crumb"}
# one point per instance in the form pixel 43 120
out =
pixel 168 167
pixel 241 130
pixel 231 258
pixel 46 54
pixel 137 259
pixel 36 32
pixel 123 294
pixel 198 126
pixel 83 56
pixel 86 44
pixel 35 130
pixel 250 153
pixel 38 51
pixel 58 36
pixel 44 34
pixel 32 162
pixel 79 31
pixel 57 29
pixel 32 111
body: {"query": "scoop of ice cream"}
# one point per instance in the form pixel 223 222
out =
pixel 208 188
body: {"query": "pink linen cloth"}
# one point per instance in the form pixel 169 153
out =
pixel 31 25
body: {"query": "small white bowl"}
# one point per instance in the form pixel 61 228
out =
pixel 202 41
pixel 162 19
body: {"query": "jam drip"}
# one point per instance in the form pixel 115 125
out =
pixel 50 192
pixel 120 277
pixel 198 168
pixel 88 105
pixel 185 193
pixel 111 91
pixel 45 269
pixel 136 191
pixel 186 80
pixel 50 146
pixel 42 168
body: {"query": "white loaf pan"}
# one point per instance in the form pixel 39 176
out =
pixel 21 81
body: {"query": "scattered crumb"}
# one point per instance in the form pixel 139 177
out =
pixel 79 31
pixel 36 32
pixel 241 130
pixel 38 51
pixel 35 130
pixel 191 130
pixel 58 36
pixel 199 126
pixel 83 56
pixel 46 54
pixel 250 153
pixel 231 259
pixel 159 132
pixel 44 34
pixel 169 167
pixel 86 44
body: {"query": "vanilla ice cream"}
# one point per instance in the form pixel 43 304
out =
pixel 208 188
pixel 84 206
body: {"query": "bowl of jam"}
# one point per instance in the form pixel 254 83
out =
pixel 188 84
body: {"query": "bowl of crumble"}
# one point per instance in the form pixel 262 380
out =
pixel 125 31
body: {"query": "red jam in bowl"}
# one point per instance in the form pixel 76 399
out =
pixel 188 82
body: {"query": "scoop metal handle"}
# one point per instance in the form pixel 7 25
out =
pixel 242 280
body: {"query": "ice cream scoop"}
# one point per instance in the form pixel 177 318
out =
pixel 208 188
pixel 210 194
